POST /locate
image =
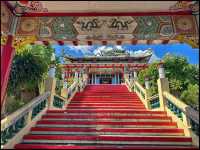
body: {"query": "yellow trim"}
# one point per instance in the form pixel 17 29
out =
pixel 21 41
pixel 4 39
pixel 189 41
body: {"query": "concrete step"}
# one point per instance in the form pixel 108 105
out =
pixel 111 147
pixel 108 111
pixel 105 124
pixel 107 96
pixel 105 139
pixel 107 131
pixel 106 102
pixel 108 119
pixel 103 109
pixel 104 114
pixel 105 105
pixel 104 117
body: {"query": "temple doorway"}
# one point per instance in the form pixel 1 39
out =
pixel 105 78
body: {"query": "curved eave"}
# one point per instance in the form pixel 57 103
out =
pixel 109 58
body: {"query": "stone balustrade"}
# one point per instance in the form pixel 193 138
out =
pixel 59 102
pixel 186 117
pixel 15 125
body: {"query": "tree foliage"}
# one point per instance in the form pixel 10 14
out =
pixel 29 67
pixel 191 95
pixel 152 73
pixel 183 78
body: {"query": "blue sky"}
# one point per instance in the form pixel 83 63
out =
pixel 159 50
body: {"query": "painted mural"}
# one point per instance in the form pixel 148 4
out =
pixel 105 27
pixel 108 28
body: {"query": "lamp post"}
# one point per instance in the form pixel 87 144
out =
pixel 163 85
pixel 64 87
pixel 161 70
pixel 50 83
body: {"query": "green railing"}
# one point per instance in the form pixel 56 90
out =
pixel 194 127
pixel 154 102
pixel 12 130
pixel 187 115
pixel 139 89
pixel 38 108
pixel 77 85
pixel 15 122
pixel 58 102
pixel 72 89
pixel 176 111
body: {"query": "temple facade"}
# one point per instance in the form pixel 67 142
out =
pixel 108 67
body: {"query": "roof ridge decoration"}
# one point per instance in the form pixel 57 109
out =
pixel 186 5
pixel 21 7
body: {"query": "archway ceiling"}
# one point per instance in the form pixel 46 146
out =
pixel 102 6
pixel 104 29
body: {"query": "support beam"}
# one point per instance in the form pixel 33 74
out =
pixel 7 55
pixel 6 62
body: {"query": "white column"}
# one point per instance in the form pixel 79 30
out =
pixel 118 78
pixel 95 79
pixel 92 79
pixel 115 78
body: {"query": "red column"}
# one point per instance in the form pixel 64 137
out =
pixel 6 61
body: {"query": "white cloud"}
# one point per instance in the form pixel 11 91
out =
pixel 119 47
pixel 154 58
pixel 106 48
pixel 81 50
pixel 98 50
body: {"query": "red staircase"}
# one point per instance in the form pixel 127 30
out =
pixel 106 117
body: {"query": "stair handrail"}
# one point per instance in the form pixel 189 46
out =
pixel 186 116
pixel 128 82
pixel 16 121
pixel 72 89
pixel 141 92
pixel 59 101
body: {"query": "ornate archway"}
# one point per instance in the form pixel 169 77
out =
pixel 46 22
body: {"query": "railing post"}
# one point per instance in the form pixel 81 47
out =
pixel 50 83
pixel 147 87
pixel 134 79
pixel 187 125
pixel 64 88
pixel 135 74
pixel 29 117
pixel 163 85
